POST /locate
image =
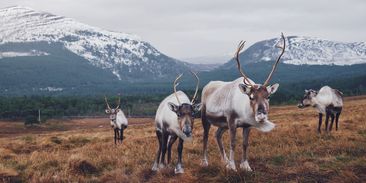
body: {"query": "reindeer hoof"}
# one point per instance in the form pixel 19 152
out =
pixel 178 169
pixel 204 163
pixel 161 165
pixel 225 161
pixel 244 165
pixel 155 167
pixel 231 166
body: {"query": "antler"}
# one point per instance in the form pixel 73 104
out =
pixel 240 47
pixel 175 84
pixel 195 93
pixel 278 59
pixel 106 101
pixel 118 102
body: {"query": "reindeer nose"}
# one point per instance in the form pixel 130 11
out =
pixel 261 110
pixel 300 105
pixel 187 130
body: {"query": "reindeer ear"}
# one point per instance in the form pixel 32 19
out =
pixel 107 111
pixel 197 107
pixel 273 88
pixel 173 107
pixel 246 89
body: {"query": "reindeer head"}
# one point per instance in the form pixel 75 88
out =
pixel 307 100
pixel 259 98
pixel 257 93
pixel 112 112
pixel 185 112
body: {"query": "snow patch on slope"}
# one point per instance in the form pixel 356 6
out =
pixel 8 54
pixel 105 49
pixel 315 51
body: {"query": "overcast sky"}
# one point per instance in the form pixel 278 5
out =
pixel 196 28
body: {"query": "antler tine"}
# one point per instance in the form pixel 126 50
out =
pixel 106 101
pixel 196 91
pixel 278 59
pixel 240 47
pixel 175 84
pixel 118 102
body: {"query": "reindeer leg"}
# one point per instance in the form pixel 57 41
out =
pixel 219 133
pixel 158 153
pixel 206 129
pixel 117 130
pixel 244 162
pixel 121 134
pixel 326 121
pixel 320 122
pixel 232 132
pixel 179 167
pixel 164 148
pixel 331 121
pixel 170 144
pixel 337 118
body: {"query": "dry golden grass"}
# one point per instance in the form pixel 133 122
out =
pixel 293 152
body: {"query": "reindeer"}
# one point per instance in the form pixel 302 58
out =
pixel 239 103
pixel 174 118
pixel 327 101
pixel 118 120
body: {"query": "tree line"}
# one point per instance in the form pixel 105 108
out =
pixel 22 107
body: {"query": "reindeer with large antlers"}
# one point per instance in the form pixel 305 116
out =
pixel 239 103
pixel 173 120
pixel 118 120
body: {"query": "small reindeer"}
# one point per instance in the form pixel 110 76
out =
pixel 118 120
pixel 327 101
pixel 174 118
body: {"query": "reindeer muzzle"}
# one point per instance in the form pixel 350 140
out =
pixel 187 130
pixel 260 117
pixel 300 105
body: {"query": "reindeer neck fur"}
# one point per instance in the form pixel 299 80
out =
pixel 120 120
pixel 326 97
pixel 166 119
pixel 224 100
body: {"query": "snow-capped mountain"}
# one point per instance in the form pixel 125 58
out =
pixel 307 51
pixel 125 55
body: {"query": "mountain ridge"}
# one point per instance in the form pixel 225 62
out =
pixel 42 53
pixel 114 51
pixel 302 50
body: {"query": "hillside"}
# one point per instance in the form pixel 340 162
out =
pixel 126 56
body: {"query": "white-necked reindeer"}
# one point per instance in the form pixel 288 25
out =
pixel 174 118
pixel 118 120
pixel 239 103
pixel 327 101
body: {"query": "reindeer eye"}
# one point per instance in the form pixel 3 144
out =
pixel 251 97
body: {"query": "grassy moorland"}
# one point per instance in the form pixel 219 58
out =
pixel 83 151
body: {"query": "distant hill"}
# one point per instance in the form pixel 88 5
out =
pixel 46 54
pixel 24 30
